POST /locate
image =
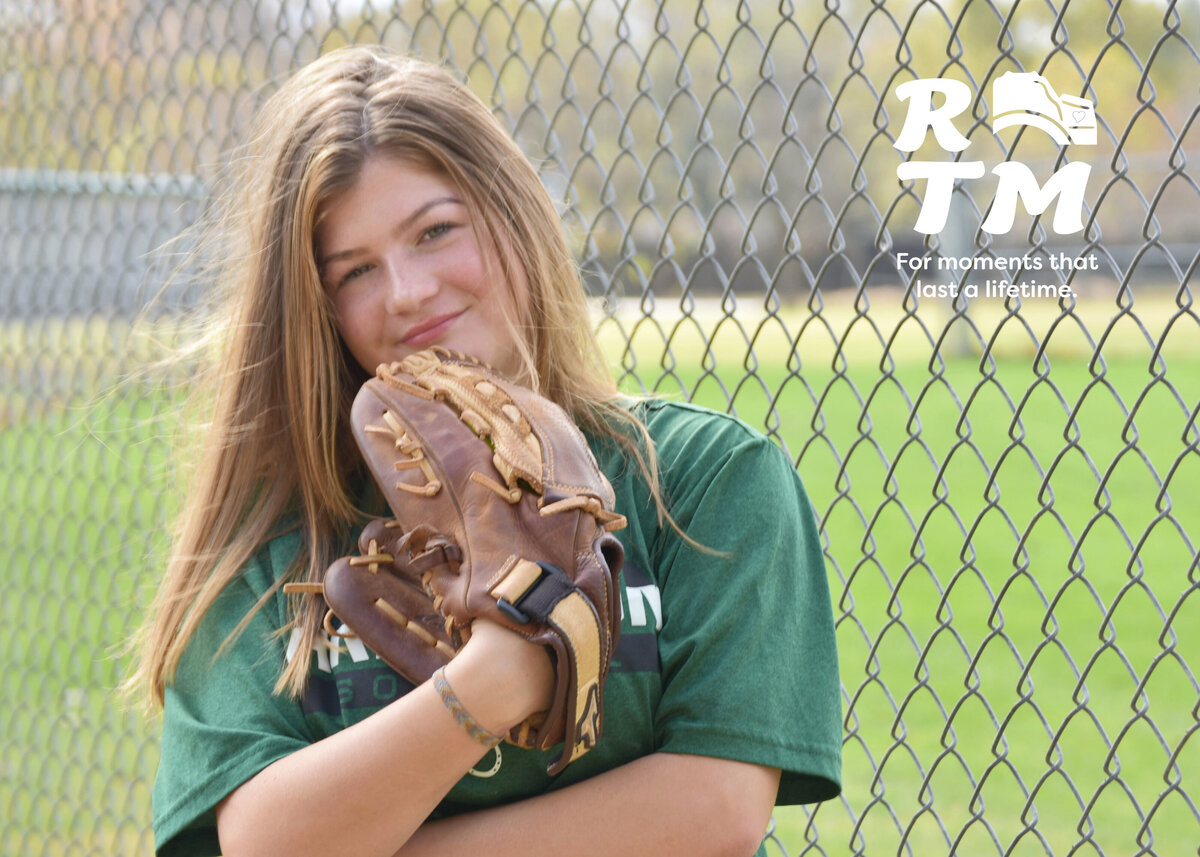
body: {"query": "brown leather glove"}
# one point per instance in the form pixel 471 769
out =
pixel 391 613
pixel 504 514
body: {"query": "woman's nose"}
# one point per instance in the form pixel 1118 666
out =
pixel 408 287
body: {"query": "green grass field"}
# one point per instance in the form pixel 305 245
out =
pixel 1011 548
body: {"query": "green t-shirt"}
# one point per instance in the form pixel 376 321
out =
pixel 728 652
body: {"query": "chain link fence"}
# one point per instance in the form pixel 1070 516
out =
pixel 1001 479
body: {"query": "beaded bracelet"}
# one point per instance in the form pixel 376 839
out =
pixel 461 716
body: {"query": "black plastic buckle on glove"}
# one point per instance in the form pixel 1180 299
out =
pixel 539 599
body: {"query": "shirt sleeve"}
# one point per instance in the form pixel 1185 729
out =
pixel 749 657
pixel 221 722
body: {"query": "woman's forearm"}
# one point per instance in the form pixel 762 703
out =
pixel 660 805
pixel 365 789
pixel 360 791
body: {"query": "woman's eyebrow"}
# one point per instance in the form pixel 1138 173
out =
pixel 400 227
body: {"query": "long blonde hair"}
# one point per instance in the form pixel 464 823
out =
pixel 279 441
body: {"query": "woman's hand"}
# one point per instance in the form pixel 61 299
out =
pixel 500 677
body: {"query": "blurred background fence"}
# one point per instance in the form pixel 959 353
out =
pixel 1002 482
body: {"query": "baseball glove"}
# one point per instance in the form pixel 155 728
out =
pixel 501 512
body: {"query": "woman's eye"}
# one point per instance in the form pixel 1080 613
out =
pixel 354 272
pixel 437 230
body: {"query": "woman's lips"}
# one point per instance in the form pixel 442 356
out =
pixel 429 331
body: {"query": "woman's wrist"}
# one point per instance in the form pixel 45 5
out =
pixel 466 721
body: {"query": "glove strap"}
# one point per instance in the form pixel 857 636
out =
pixel 461 716
pixel 535 589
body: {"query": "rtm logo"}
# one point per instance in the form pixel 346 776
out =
pixel 1018 98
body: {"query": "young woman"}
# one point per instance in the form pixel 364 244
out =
pixel 380 209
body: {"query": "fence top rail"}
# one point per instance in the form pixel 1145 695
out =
pixel 73 182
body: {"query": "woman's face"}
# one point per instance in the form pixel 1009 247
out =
pixel 406 270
